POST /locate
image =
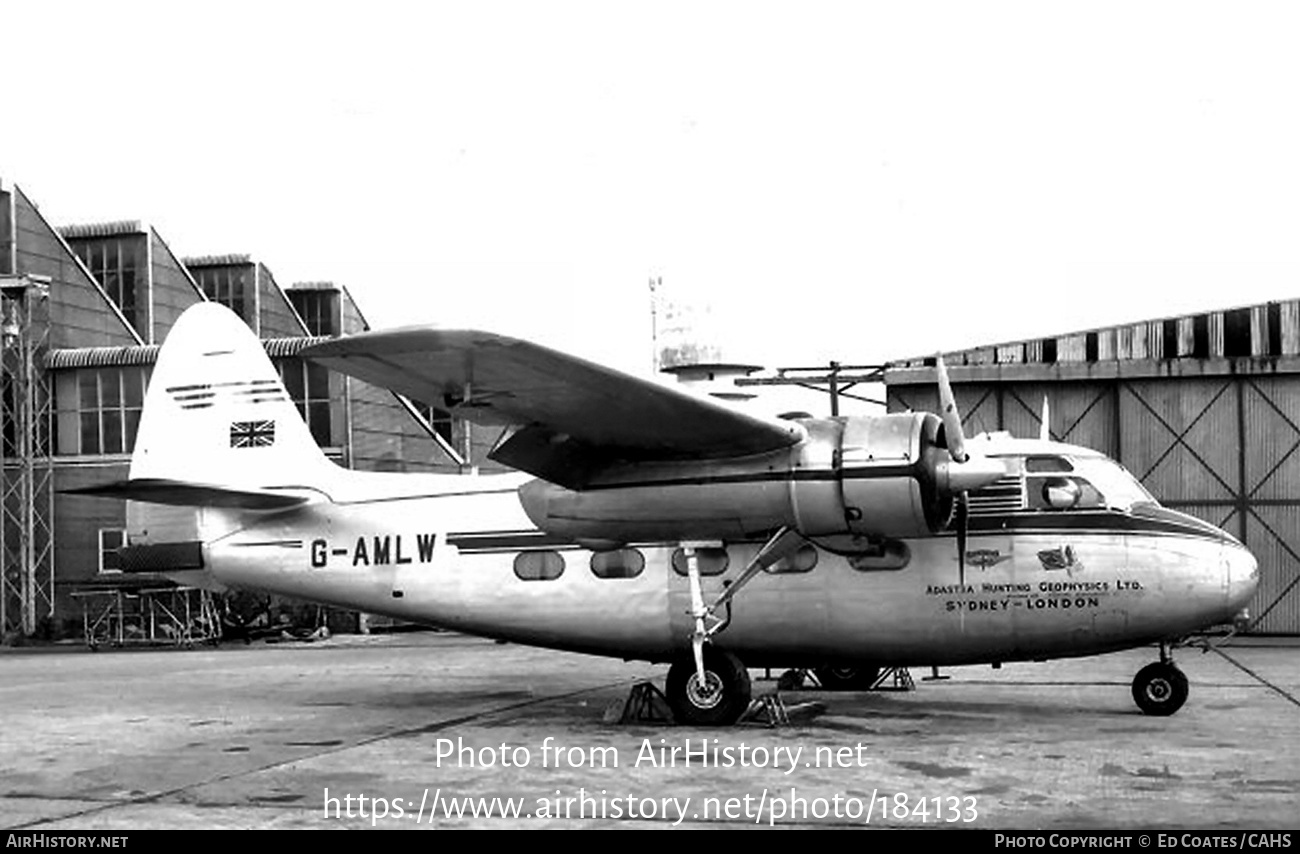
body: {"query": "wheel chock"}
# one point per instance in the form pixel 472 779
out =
pixel 771 711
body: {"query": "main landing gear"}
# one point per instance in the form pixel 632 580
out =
pixel 1160 688
pixel 708 686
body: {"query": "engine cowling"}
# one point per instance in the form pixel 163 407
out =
pixel 850 480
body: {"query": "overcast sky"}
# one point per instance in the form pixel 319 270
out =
pixel 856 181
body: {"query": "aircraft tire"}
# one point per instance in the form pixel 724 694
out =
pixel 847 678
pixel 722 706
pixel 1160 689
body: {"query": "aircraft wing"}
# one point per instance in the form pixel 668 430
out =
pixel 572 417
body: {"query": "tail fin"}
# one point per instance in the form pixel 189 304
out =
pixel 218 427
pixel 219 437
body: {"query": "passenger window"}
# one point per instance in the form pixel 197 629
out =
pixel 539 566
pixel 884 555
pixel 619 563
pixel 712 561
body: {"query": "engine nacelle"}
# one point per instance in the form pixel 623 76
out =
pixel 851 480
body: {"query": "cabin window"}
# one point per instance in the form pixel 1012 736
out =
pixel 885 555
pixel 619 563
pixel 539 566
pixel 803 560
pixel 712 561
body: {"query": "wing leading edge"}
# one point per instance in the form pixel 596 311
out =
pixel 571 417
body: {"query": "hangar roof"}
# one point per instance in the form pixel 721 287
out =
pixel 1255 338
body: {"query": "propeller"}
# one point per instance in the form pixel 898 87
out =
pixel 951 418
pixel 965 472
pixel 962 518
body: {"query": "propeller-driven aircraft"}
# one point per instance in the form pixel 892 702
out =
pixel 649 523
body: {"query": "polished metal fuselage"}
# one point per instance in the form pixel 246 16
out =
pixel 1037 585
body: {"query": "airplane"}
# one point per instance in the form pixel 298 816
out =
pixel 646 522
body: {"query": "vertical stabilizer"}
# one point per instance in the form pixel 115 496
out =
pixel 217 414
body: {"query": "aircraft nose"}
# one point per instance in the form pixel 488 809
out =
pixel 1243 575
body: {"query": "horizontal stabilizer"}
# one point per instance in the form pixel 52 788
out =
pixel 163 491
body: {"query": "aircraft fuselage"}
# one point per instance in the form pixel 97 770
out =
pixel 1037 585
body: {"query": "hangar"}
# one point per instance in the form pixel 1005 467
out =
pixel 1204 409
pixel 83 310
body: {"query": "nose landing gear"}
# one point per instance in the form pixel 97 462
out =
pixel 1160 688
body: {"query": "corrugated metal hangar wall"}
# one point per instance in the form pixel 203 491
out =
pixel 1215 434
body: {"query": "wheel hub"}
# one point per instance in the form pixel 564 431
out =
pixel 707 695
pixel 1159 690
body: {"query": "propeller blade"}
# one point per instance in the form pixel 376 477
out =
pixel 962 521
pixel 951 418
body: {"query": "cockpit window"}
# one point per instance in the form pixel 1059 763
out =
pixel 1120 489
pixel 1060 483
pixel 1063 493
pixel 1035 465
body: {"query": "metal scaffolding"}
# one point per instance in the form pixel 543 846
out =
pixel 26 467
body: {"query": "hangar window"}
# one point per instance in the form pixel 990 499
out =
pixel 1201 337
pixel 99 409
pixel 229 285
pixel 318 310
pixel 119 267
pixel 803 560
pixel 713 561
pixel 1169 340
pixel 440 420
pixel 308 385
pixel 539 566
pixel 619 563
pixel 110 540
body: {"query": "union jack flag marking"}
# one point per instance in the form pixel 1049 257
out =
pixel 252 434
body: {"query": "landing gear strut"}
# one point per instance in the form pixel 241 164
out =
pixel 1160 688
pixel 708 686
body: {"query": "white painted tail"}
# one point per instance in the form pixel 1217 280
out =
pixel 217 415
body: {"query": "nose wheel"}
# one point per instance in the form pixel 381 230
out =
pixel 719 699
pixel 1160 688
